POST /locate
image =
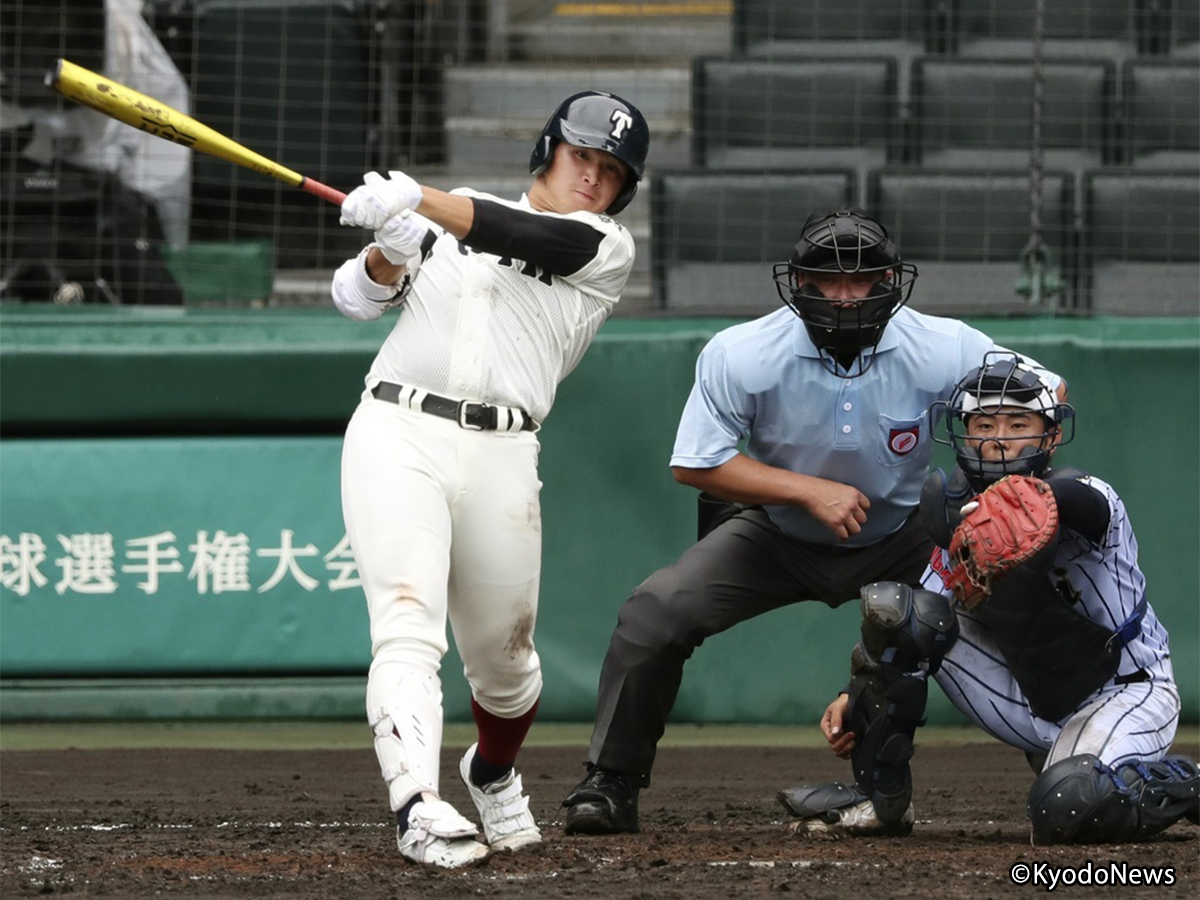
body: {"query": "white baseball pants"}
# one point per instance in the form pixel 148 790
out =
pixel 445 523
pixel 1118 723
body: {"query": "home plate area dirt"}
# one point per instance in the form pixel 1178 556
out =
pixel 314 824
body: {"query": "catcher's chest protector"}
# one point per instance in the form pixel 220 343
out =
pixel 1057 656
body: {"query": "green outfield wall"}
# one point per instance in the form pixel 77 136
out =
pixel 171 542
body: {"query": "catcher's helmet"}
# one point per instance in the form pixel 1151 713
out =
pixel 1004 385
pixel 845 241
pixel 603 121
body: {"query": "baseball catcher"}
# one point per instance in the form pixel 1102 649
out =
pixel 1054 648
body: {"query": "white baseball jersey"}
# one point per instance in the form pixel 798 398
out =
pixel 1125 719
pixel 445 521
pixel 501 329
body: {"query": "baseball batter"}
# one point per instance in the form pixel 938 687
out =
pixel 498 301
pixel 1061 657
pixel 830 396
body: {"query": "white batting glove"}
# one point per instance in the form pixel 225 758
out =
pixel 400 238
pixel 377 199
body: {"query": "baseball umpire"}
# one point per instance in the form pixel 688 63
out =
pixel 831 395
pixel 498 301
pixel 1049 644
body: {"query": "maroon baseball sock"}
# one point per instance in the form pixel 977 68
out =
pixel 499 741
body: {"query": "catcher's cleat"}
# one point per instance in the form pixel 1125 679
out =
pixel 503 808
pixel 438 836
pixel 835 810
pixel 858 820
pixel 603 803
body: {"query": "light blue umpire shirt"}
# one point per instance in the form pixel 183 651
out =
pixel 764 381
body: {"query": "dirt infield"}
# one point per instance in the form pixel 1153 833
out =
pixel 311 824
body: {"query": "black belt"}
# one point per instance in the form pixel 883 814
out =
pixel 1133 677
pixel 468 414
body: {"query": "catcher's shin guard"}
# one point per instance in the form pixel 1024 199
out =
pixel 884 712
pixel 1080 800
pixel 1166 791
pixel 905 634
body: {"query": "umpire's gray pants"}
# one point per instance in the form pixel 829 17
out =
pixel 744 567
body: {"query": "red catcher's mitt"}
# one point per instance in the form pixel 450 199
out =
pixel 1016 519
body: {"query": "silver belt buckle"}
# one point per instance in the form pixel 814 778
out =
pixel 462 415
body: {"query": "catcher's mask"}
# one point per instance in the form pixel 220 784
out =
pixel 845 241
pixel 1005 385
pixel 602 121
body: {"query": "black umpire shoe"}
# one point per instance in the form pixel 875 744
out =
pixel 603 803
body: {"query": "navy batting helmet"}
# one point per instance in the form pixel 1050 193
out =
pixel 846 241
pixel 603 121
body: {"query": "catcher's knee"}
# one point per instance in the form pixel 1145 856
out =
pixel 1078 800
pixel 906 627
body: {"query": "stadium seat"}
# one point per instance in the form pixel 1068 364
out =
pixel 1182 28
pixel 783 27
pixel 789 29
pixel 716 235
pixel 749 113
pixel 34 34
pixel 967 230
pixel 291 80
pixel 1111 29
pixel 1141 241
pixel 951 97
pixel 1162 113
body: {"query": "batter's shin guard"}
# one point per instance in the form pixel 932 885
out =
pixel 886 706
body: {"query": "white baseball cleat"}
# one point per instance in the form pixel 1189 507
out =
pixel 858 820
pixel 438 836
pixel 503 808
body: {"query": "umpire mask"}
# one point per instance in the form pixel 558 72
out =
pixel 849 242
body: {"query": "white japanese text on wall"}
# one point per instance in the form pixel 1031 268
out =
pixel 215 562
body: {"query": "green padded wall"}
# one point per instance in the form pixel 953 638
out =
pixel 142 423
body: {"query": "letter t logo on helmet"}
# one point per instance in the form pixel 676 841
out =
pixel 621 121
pixel 603 121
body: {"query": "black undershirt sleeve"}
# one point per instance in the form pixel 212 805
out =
pixel 1081 508
pixel 558 246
